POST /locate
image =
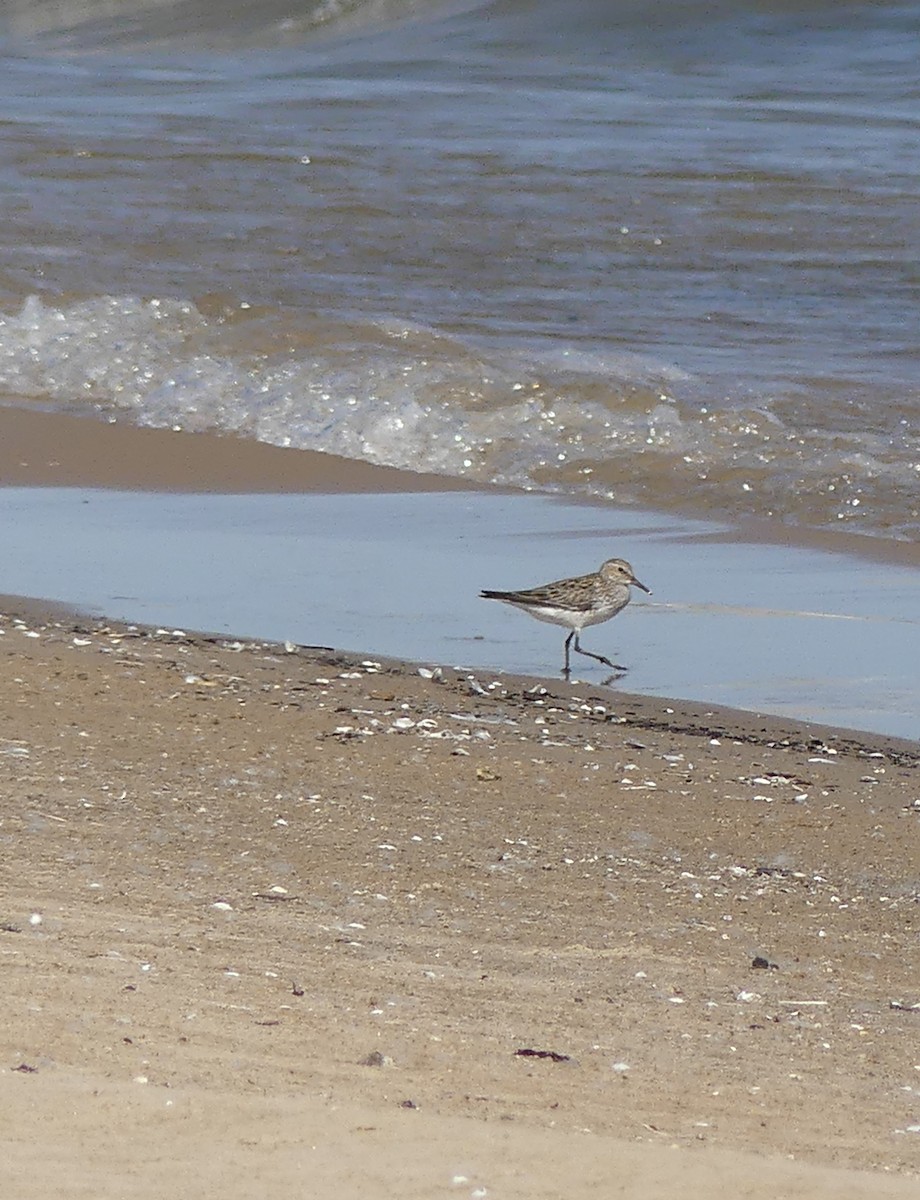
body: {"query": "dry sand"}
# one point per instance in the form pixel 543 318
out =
pixel 286 923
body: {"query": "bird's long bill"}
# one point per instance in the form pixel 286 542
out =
pixel 635 582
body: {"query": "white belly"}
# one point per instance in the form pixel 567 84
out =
pixel 571 619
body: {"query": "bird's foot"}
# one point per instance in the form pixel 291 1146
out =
pixel 606 661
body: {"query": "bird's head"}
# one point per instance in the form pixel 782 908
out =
pixel 618 570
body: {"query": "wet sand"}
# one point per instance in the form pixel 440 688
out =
pixel 46 449
pixel 271 915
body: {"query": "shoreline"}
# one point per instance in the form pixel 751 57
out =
pixel 320 550
pixel 664 714
pixel 806 635
pixel 52 449
pixel 502 920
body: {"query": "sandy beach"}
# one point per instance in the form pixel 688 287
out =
pixel 272 916
pixel 280 918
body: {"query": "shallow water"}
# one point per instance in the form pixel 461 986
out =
pixel 666 256
pixel 796 632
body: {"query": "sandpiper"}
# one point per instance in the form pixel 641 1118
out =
pixel 577 602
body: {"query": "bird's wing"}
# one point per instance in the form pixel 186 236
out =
pixel 551 595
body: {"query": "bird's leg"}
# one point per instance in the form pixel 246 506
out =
pixel 590 654
pixel 567 670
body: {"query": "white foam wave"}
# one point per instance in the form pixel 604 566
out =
pixel 400 394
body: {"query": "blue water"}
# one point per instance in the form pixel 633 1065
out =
pixel 666 255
